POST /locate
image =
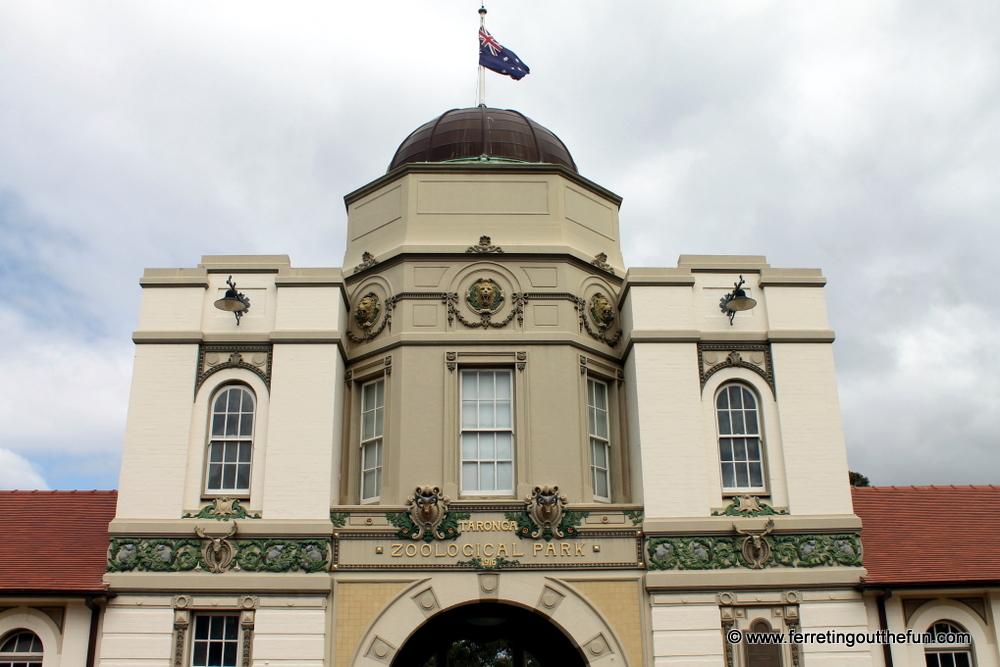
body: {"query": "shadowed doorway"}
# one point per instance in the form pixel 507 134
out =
pixel 488 634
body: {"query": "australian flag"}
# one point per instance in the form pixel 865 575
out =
pixel 498 58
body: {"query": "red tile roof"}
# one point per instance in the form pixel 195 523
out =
pixel 54 540
pixel 930 534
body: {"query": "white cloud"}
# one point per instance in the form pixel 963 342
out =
pixel 17 472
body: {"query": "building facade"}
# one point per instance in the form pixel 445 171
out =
pixel 484 433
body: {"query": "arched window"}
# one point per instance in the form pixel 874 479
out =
pixel 741 450
pixel 230 443
pixel 21 649
pixel 950 646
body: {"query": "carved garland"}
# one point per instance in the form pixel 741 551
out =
pixel 518 300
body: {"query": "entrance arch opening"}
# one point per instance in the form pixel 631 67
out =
pixel 489 634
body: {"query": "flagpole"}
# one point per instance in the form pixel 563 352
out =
pixel 482 70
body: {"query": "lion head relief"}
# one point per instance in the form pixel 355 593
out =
pixel 485 296
pixel 601 310
pixel 367 311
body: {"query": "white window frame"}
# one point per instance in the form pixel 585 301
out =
pixel 480 429
pixel 29 657
pixel 935 649
pixel 599 441
pixel 375 439
pixel 243 441
pixel 740 432
pixel 234 642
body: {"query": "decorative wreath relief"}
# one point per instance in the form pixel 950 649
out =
pixel 601 311
pixel 367 311
pixel 485 296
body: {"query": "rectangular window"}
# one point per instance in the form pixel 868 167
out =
pixel 372 417
pixel 216 640
pixel 487 432
pixel 600 442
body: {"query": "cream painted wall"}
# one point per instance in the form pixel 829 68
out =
pixel 811 429
pixel 157 432
pixel 303 439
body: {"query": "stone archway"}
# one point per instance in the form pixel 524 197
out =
pixel 499 634
pixel 407 631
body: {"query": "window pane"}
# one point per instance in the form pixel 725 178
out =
pixel 470 446
pixel 739 449
pixel 737 421
pixel 600 454
pixel 368 397
pixel 602 424
pixel 233 401
pixel 756 475
pixel 243 477
pixel 726 450
pixel 486 388
pixel 378 422
pixel 601 483
pixel 230 653
pixel 505 477
pixel 600 395
pixel 753 449
pixel 231 627
pixel 487 418
pixel 742 476
pixel 591 421
pixel 503 384
pixel 962 660
pixel 380 393
pixel 246 425
pixel 215 627
pixel 228 477
pixel 368 426
pixel 470 414
pixel 736 398
pixel 215 476
pixel 724 425
pixel 220 403
pixel 229 451
pixel 749 402
pixel 368 484
pixel 728 475
pixel 470 477
pixel 200 653
pixel 214 653
pixel 503 414
pixel 487 446
pixel 751 421
pixel 722 403
pixel 947 659
pixel 486 477
pixel 505 448
pixel 218 425
pixel 469 383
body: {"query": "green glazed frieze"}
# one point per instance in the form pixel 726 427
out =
pixel 526 526
pixel 719 553
pixel 184 555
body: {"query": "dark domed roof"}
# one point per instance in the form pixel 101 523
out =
pixel 468 134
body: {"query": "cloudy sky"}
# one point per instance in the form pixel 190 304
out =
pixel 862 138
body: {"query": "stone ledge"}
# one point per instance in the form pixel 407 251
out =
pixel 723 525
pixel 737 578
pixel 242 582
